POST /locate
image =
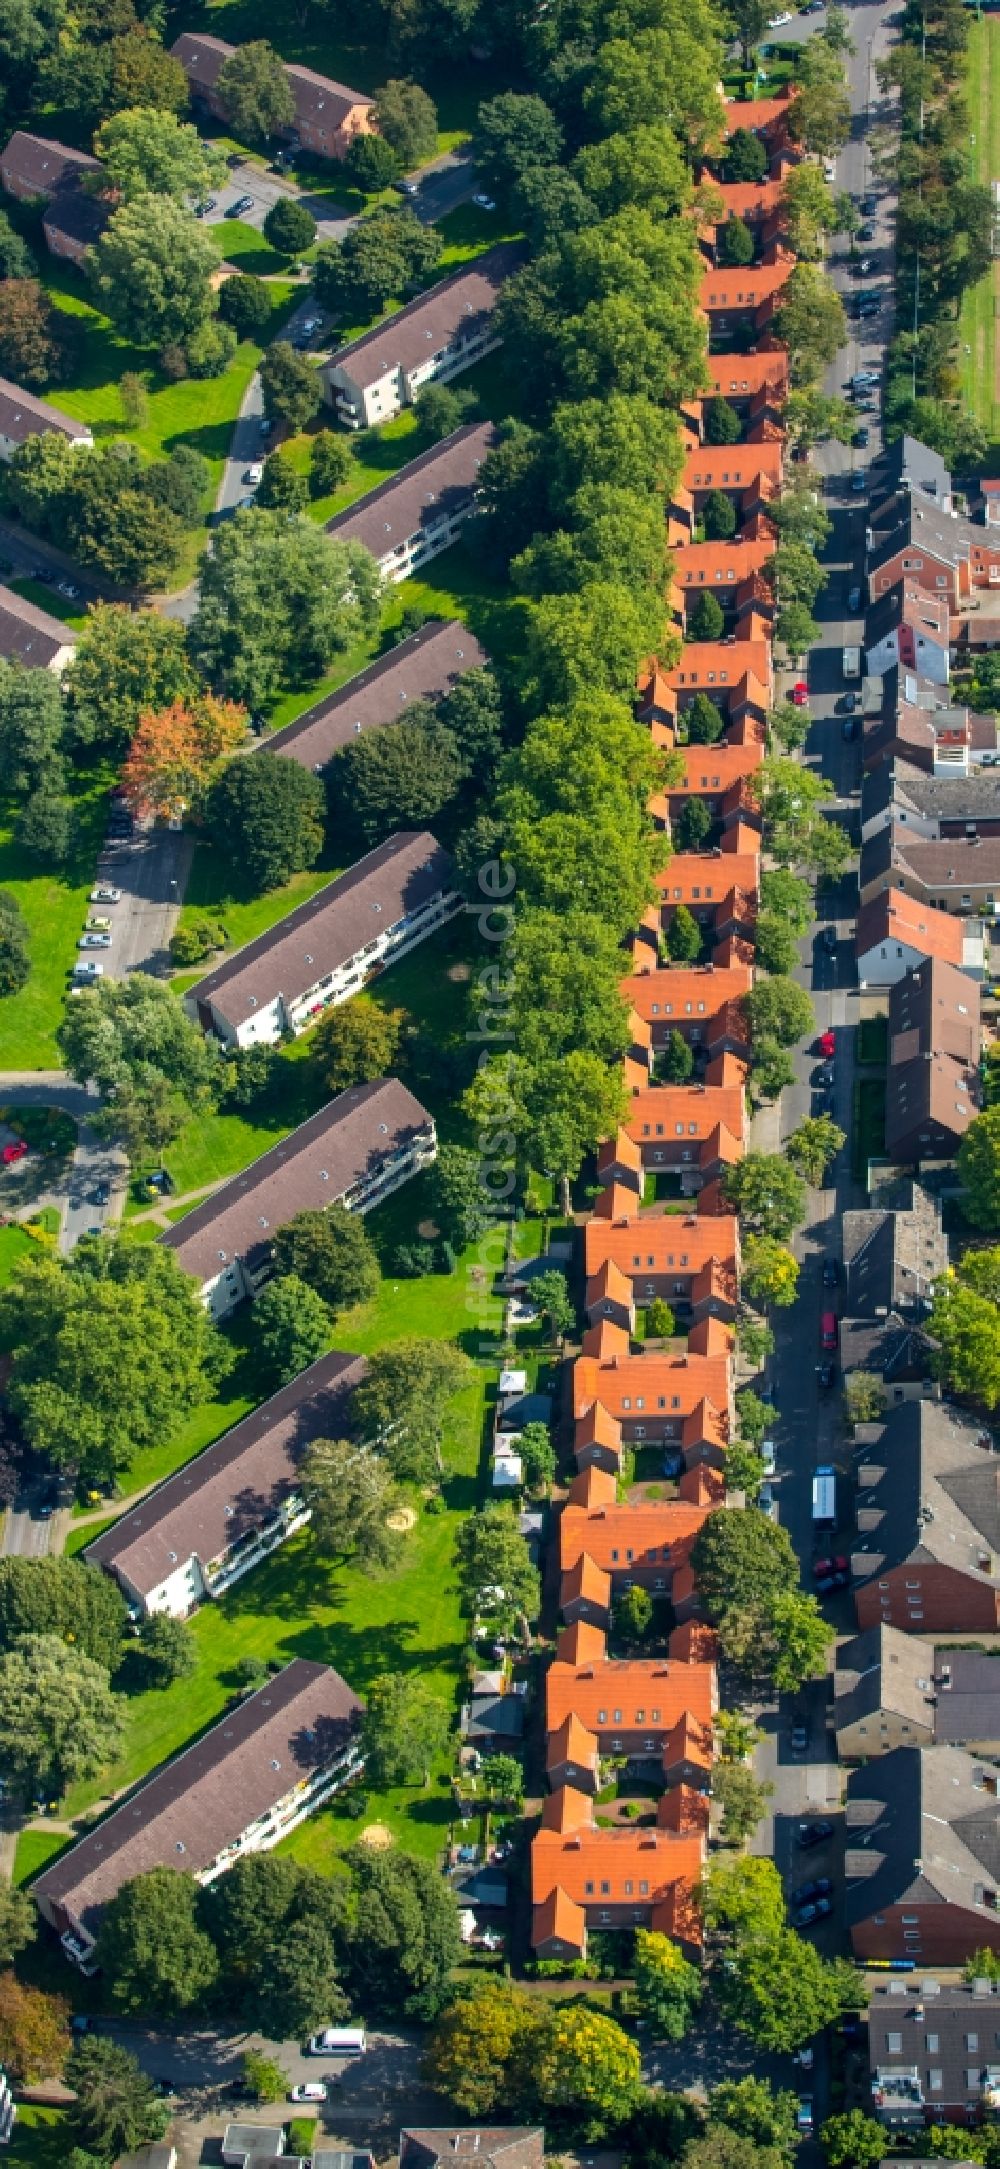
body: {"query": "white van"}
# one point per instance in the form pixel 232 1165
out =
pixel 339 2041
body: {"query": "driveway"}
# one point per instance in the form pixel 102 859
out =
pixel 151 869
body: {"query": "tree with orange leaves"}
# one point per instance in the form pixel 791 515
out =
pixel 175 752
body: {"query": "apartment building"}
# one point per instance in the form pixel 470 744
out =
pixel 329 116
pixel 897 1690
pixel 32 637
pixel 425 666
pixel 355 1151
pixel 920 1870
pixel 420 511
pixel 584 1877
pixel 202 1530
pixel 433 339
pixel 35 168
pixel 928 1523
pixel 895 932
pixel 657 1399
pixel 691 1263
pixel 326 950
pixel 934 2053
pixel 654 1712
pixel 23 416
pixel 268 1763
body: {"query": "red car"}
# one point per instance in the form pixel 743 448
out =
pixel 800 694
pixel 826 1045
pixel 16 1151
pixel 823 1567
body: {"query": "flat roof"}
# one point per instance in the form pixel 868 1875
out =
pixel 424 667
pixel 340 1144
pixel 398 877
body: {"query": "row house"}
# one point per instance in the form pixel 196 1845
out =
pixel 640 1876
pixel 750 475
pixel 722 776
pixel 927 1549
pixel 655 1712
pixel 758 204
pixel 746 298
pixel 694 1130
pixel 32 637
pixel 607 1545
pixel 921 1866
pixel 425 666
pixel 959 874
pixel 920 723
pixel 757 385
pixel 934 2053
pixel 433 339
pixel 329 116
pixel 33 168
pixel 719 888
pixel 697 1000
pixel 896 792
pixel 677 1401
pixel 734 572
pixel 23 416
pixel 765 118
pixel 693 1263
pixel 895 932
pixel 909 628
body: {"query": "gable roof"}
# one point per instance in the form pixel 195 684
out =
pixel 663 1242
pixel 424 667
pixel 708 769
pixel 746 287
pixel 655 1532
pixel 721 565
pixel 507 2146
pixel 41 165
pixel 205 1797
pixel 739 376
pixel 341 1142
pixel 238 1482
pixel 893 916
pixel 884 1671
pixel 628 1691
pixel 399 877
pixel 685 1111
pixel 29 635
pixel 433 319
pixel 685 991
pixel 72 216
pixel 926 1490
pixel 438 482
pixel 892 1256
pixel 317 97
pixel 921 1830
pixel 733 467
pixel 23 416
pixel 931 1090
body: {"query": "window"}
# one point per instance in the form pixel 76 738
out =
pixel 605 1890
pixel 588 1890
pixel 894 2044
pixel 972 2041
pixel 972 2081
pixel 935 2081
pixel 932 2043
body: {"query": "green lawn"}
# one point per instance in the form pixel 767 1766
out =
pixel 215 888
pixel 35 1848
pixel 868 1139
pixel 247 248
pixel 40 2140
pixel 15 1247
pixel 47 598
pixel 55 908
pixel 977 331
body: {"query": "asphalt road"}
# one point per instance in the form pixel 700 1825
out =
pixel 151 870
pixel 439 188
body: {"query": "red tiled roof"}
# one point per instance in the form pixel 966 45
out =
pixel 894 916
pixel 628 1691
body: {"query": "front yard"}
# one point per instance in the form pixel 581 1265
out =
pixel 54 906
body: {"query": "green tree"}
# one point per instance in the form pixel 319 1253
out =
pixel 146 152
pixel 59 1596
pixel 755 1339
pixel 775 944
pixel 117 2108
pixel 168 1649
pixel 984 1965
pixel 503 1778
pixel 482 2038
pixel 352 1493
pixel 742 1898
pixel 852 2140
pixel 404 1399
pixel 551 1297
pixel 330 463
pixel 34 2035
pixel 795 1639
pixel 820 116
pixel 125 1028
pixel 749 20
pixel 400 777
pixel 278 601
pixel 865 1397
pixel 781 1993
pixel 979 1169
pixel 735 243
pixel 707 620
pixel 813 1147
pixel 110 1352
pixel 753 1415
pixel 265 815
pixel 691 824
pixel 290 385
pixel 282 488
pixel 32 730
pixel 677 1060
pixel 773 1069
pixel 796 628
pixel 668 1989
pixel 16 260
pixel 256 92
pixel 718 517
pixel 15 963
pixel 632 1614
pixel 736 1736
pixel 59 1721
pixel 965 1327
pixel 751 2107
pixel 538 1459
pixel 292 1326
pixel 660 1321
pixel 458 1199
pixel 403 1940
pixel 788 727
pixel 289 227
pixel 744 1469
pixel 514 133
pixel 151 269
pixel 440 409
pixel 18 1922
pixel 33 345
pixel 586 2067
pixel 770 1271
pixel 245 303
pixel 495 1571
pixel 683 936
pixel 355 1042
pixel 372 164
pixel 331 1252
pixel 126 661
pixel 767 1193
pixel 379 258
pixel 263 2077
pixel 746 157
pixel 155 1955
pixel 810 321
pixel 722 423
pixel 275 1926
pixel 404 1730
pixel 703 721
pixel 785 896
pixel 780 1009
pixel 407 119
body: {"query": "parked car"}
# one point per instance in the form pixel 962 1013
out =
pixel 102 1194
pixel 808 1915
pixel 768 1455
pixel 484 203
pixel 820 1887
pixel 207 204
pixel 838 1565
pixel 98 923
pixel 866 233
pixel 859 482
pixel 812 1834
pixel 830 938
pixel 869 206
pixel 854 593
pixel 864 265
pixel 17 1151
pixel 804 2058
pixel 800 694
pixel 828 1329
pixel 408 188
pixel 243 203
pixel 861 437
pixel 826 1076
pixel 254 473
pixel 87 970
pixel 827 1376
pixel 826 1044
pixel 105 894
pixel 848 703
pixel 311 324
pixel 310 2090
pixel 767 1500
pixel 266 425
pixel 94 941
pixel 849 728
pixel 799 1735
pixel 66 587
pixel 804 2115
pixel 827 1583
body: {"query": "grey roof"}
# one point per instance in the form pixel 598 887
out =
pixel 883 1670
pixel 934 1008
pixel 236 1485
pixel 148 2157
pixel 513 2146
pixel 908 520
pixel 948 862
pixel 434 319
pixel 39 165
pixel 909 464
pixel 524 1408
pixel 76 216
pixel 441 481
pixel 341 2157
pixel 892 1258
pixel 968 1695
pixel 400 876
pixel 908 2012
pixel 318 98
pixel 927 1489
pixel 952 798
pixel 493 1716
pixel 253 2140
pixel 921 1828
pixel 925 1097
pixel 23 416
pixel 188 1811
pixel 424 667
pixel 29 635
pixel 338 1146
pixel 893 1349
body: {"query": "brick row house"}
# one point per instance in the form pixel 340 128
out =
pixel 659 1229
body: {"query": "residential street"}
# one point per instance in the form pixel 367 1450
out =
pixel 152 872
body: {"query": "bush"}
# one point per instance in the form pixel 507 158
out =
pixel 289 227
pixel 173 363
pixel 302 2136
pixel 371 164
pixel 210 349
pixel 412 1261
pixel 330 463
